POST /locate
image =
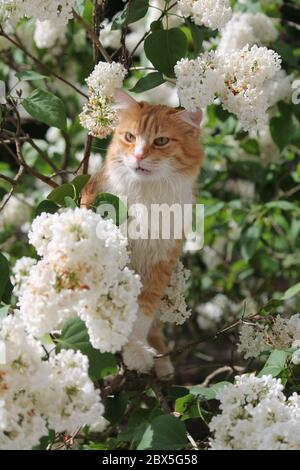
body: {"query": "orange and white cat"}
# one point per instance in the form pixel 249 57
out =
pixel 154 158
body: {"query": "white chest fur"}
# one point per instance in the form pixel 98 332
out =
pixel 146 252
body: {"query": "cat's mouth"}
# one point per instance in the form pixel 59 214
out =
pixel 142 171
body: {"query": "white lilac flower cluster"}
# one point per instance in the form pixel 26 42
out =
pixel 239 79
pixel 49 32
pixel 11 11
pixel 211 314
pixel 211 13
pixel 173 307
pixel 247 29
pixel 15 213
pixel 273 333
pixel 256 415
pixel 198 81
pixel 38 395
pixel 95 163
pixel 221 309
pixel 99 115
pixel 21 272
pixel 82 272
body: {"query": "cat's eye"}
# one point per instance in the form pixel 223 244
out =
pixel 161 141
pixel 130 137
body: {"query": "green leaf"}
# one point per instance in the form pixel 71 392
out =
pixel 138 9
pixel 249 241
pixel 29 75
pixel 187 407
pixel 214 209
pixel 155 25
pixel 164 433
pixel 138 421
pixel 198 35
pixel 58 194
pixel 45 206
pixel 47 108
pixel 247 169
pixel 275 363
pixel 286 51
pixel 177 392
pixel 4 275
pixel 111 207
pixel 4 309
pixel 87 14
pixel 283 205
pixel 45 441
pixel 70 203
pixel 79 183
pixel 3 192
pixel 164 48
pixel 272 305
pixel 291 292
pixel 208 393
pixel 75 336
pixel 281 128
pixel 115 407
pixel 151 80
pixel 6 297
pixel 250 146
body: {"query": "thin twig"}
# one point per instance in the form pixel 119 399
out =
pixel 217 372
pixel 95 39
pixel 149 31
pixel 9 195
pixel 9 180
pixel 208 337
pixel 38 62
pixel 98 13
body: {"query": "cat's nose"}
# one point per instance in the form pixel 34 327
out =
pixel 139 156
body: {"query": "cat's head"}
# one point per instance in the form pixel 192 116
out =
pixel 155 141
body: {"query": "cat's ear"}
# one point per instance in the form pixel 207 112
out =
pixel 193 118
pixel 123 100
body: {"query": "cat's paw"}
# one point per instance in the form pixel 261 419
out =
pixel 138 356
pixel 164 368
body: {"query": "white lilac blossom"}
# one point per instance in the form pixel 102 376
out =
pixel 247 29
pixel 296 354
pixel 95 161
pixel 21 425
pixel 246 73
pixel 37 395
pixel 15 213
pixel 278 333
pixel 279 89
pixel 173 307
pixel 47 33
pixel 57 143
pixel 213 313
pixel 99 116
pixel 239 79
pixel 198 81
pixel 21 272
pixel 11 11
pixel 82 273
pixel 75 401
pixel 242 188
pixel 256 415
pixel 211 13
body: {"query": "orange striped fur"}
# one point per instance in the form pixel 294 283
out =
pixel 168 175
